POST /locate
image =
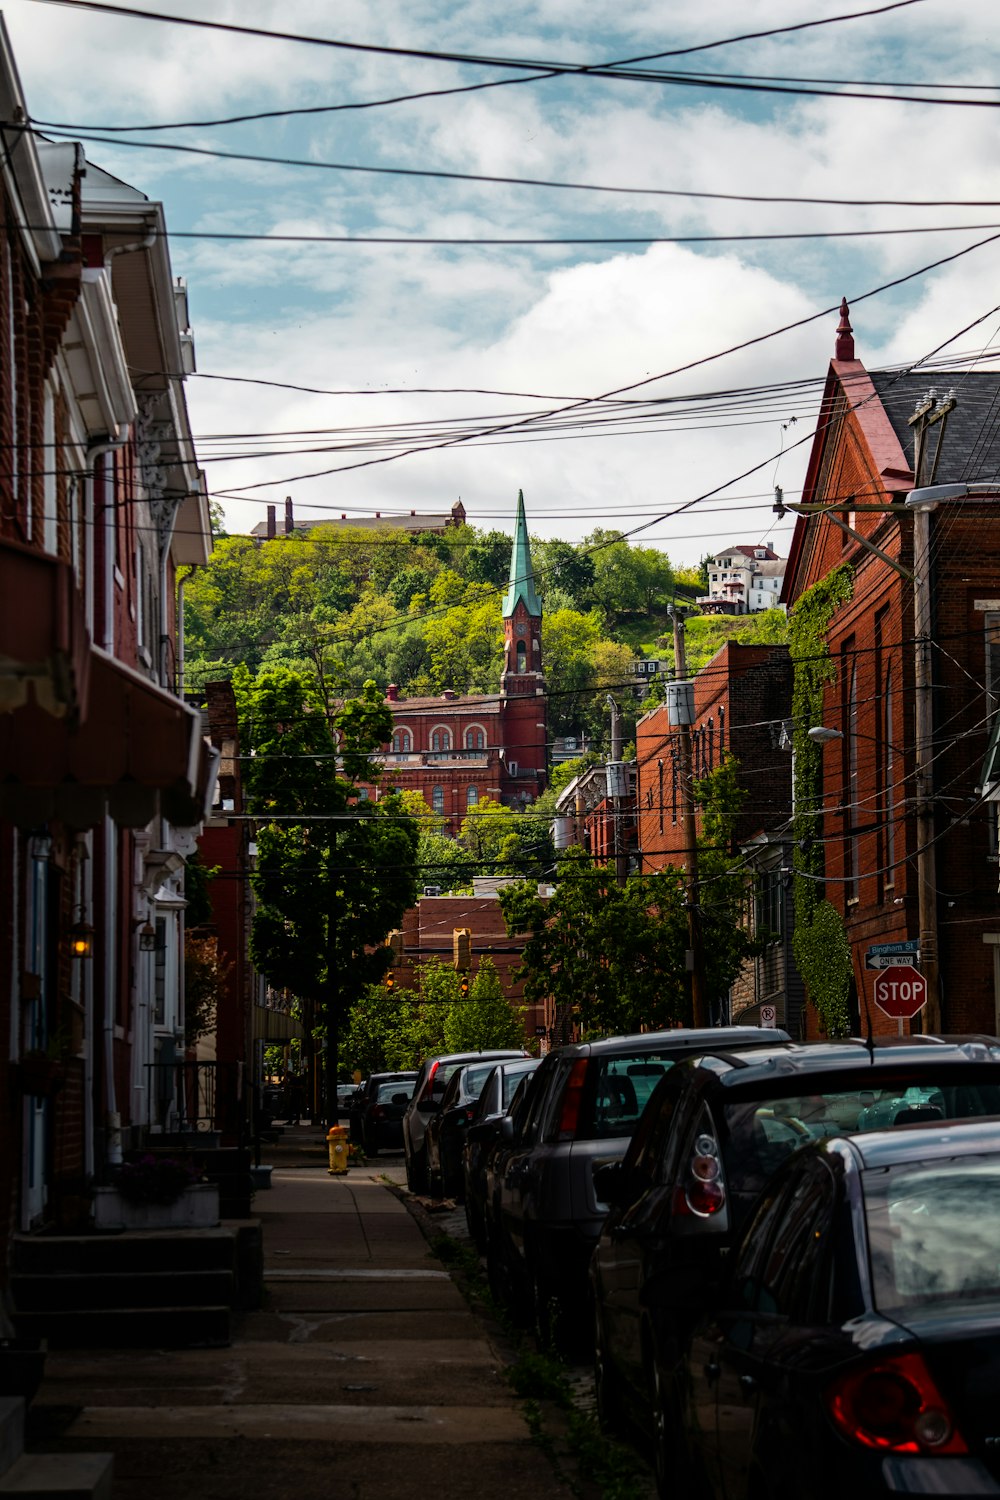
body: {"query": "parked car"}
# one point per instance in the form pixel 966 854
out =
pixel 500 1091
pixel 433 1078
pixel 365 1094
pixel 856 1348
pixel 714 1132
pixel 542 1213
pixel 445 1130
pixel 382 1120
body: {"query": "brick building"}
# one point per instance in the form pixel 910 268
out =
pixel 415 523
pixel 459 749
pixel 740 699
pixel 103 770
pixel 910 845
pixel 428 933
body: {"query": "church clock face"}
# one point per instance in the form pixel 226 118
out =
pixel 520 627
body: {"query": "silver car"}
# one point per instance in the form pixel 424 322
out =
pixel 425 1101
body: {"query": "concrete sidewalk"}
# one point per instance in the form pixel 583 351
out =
pixel 364 1376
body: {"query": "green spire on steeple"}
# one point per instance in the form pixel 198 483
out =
pixel 522 579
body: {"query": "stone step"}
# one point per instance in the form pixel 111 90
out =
pixel 137 1250
pixel 67 1292
pixel 131 1327
pixel 60 1476
pixel 11 1431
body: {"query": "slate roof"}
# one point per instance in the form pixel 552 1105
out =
pixel 971 446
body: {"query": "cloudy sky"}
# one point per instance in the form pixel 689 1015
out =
pixel 409 346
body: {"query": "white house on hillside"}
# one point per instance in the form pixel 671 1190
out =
pixel 743 580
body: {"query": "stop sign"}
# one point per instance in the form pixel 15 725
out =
pixel 900 992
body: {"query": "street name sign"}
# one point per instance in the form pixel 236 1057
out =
pixel 900 992
pixel 884 955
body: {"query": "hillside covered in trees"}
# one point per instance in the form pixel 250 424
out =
pixel 351 604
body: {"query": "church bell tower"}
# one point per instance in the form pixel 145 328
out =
pixel 522 685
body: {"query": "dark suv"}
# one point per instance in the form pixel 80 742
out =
pixel 714 1132
pixel 542 1213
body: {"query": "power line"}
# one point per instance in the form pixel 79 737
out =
pixel 493 179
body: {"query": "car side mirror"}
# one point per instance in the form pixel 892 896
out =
pixel 507 1129
pixel 401 1100
pixel 428 1105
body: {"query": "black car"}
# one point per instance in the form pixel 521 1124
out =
pixel 365 1095
pixel 382 1119
pixel 542 1213
pixel 501 1090
pixel 445 1133
pixel 715 1131
pixel 425 1101
pixel 856 1348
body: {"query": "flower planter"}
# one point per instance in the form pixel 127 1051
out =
pixel 196 1208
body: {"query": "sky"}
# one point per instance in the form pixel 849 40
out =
pixel 407 347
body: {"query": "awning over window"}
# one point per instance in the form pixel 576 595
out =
pixel 44 648
pixel 140 751
pixel 274 1025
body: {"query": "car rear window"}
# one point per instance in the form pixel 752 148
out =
pixel 512 1077
pixel 761 1132
pixel 934 1231
pixel 617 1092
pixel 388 1091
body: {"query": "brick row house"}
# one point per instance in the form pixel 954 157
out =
pixel 104 772
pixel 741 699
pixel 912 463
pixel 902 754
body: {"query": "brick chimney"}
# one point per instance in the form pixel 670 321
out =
pixel 289 519
pixel 392 693
pixel 272 522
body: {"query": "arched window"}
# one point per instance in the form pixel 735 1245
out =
pixel 475 739
pixel 472 797
pixel 522 657
pixel 402 742
pixel 437 799
pixel 441 739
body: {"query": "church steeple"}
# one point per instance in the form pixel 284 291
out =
pixel 522 579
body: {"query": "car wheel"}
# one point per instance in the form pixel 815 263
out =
pixel 435 1188
pixel 474 1224
pixel 607 1391
pixel 671 1460
pixel 416 1168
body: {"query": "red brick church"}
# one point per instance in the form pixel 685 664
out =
pixel 461 749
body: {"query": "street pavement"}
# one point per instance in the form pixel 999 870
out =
pixel 364 1376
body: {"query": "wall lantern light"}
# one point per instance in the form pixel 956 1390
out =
pixel 81 938
pixel 147 938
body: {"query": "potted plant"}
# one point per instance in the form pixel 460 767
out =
pixel 157 1192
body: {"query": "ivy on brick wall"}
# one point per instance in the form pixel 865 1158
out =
pixel 820 943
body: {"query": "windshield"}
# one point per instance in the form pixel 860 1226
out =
pixel 934 1231
pixel 512 1076
pixel 761 1132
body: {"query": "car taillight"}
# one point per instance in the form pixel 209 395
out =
pixel 703 1193
pixel 470 1113
pixel 894 1405
pixel 570 1114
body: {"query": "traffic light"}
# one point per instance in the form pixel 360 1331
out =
pixel 463 986
pixel 390 981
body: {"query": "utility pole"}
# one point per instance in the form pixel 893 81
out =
pixel 615 773
pixel 929 412
pixel 681 717
pixel 331 1115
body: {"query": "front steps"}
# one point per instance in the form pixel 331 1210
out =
pixel 147 1289
pixel 47 1476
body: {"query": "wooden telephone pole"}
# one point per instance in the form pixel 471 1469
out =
pixel 681 716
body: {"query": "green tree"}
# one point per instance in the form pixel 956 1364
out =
pixel 423 1015
pixel 486 1019
pixel 487 559
pixel 612 955
pixel 334 874
pixel 566 568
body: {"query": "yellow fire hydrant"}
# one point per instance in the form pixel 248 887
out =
pixel 336 1141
